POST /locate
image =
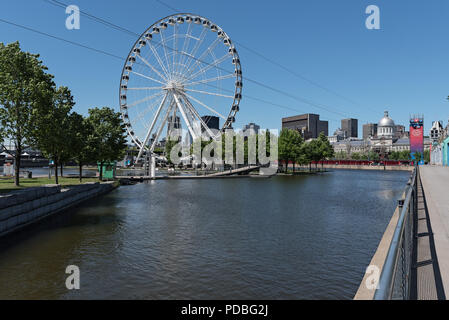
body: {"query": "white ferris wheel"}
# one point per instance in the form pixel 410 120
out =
pixel 183 70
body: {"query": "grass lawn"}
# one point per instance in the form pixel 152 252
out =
pixel 7 184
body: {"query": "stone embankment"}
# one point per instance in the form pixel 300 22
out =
pixel 24 207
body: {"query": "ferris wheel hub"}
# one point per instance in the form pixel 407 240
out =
pixel 174 85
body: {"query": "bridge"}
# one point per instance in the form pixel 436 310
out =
pixel 222 174
pixel 412 259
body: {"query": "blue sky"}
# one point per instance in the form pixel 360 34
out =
pixel 402 68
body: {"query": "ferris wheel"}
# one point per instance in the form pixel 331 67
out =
pixel 183 70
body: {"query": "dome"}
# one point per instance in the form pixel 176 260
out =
pixel 386 121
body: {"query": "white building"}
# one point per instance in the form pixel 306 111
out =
pixel 386 127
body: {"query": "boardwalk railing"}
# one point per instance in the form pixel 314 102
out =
pixel 392 262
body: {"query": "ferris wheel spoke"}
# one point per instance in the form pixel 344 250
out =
pixel 210 66
pixel 151 67
pixel 164 45
pixel 158 58
pixel 209 80
pixel 145 99
pixel 203 55
pixel 147 137
pixel 175 46
pixel 196 114
pixel 144 112
pixel 196 47
pixel 147 77
pixel 161 126
pixel 210 93
pixel 185 46
pixel 145 88
pixel 205 106
pixel 184 115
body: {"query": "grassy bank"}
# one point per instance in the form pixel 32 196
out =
pixel 7 184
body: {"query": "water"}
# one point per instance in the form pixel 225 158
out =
pixel 306 237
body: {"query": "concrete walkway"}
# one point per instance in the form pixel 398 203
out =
pixel 435 182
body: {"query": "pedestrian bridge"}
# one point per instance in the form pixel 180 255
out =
pixel 412 259
pixel 222 174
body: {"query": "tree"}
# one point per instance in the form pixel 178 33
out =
pixel 290 142
pixel 108 136
pixel 427 156
pixel 169 144
pixel 356 156
pixel 341 155
pixel 24 86
pixel 315 152
pixel 82 141
pixel 51 124
pixel 327 151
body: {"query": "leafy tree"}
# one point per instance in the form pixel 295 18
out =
pixel 81 140
pixel 418 156
pixel 24 86
pixel 315 151
pixel 427 156
pixel 327 151
pixel 341 155
pixel 356 156
pixel 51 122
pixel 108 136
pixel 373 156
pixel 290 142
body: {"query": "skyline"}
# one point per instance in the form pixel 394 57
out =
pixel 389 69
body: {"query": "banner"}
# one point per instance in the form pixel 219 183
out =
pixel 416 137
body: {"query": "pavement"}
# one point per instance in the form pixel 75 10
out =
pixel 435 182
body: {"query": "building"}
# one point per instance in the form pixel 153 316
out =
pixel 440 144
pixel 350 127
pixel 339 135
pixel 174 123
pixel 383 138
pixel 386 127
pixel 309 125
pixel 369 130
pixel 251 128
pixel 212 122
pixel 436 131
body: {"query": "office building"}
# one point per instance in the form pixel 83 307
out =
pixel 309 125
pixel 350 127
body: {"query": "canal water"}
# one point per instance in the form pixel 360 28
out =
pixel 304 237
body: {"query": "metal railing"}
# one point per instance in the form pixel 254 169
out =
pixel 394 281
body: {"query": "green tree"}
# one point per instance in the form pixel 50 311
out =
pixel 373 156
pixel 418 156
pixel 341 155
pixel 427 156
pixel 51 122
pixel 24 86
pixel 356 156
pixel 290 142
pixel 327 151
pixel 108 137
pixel 315 151
pixel 82 141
